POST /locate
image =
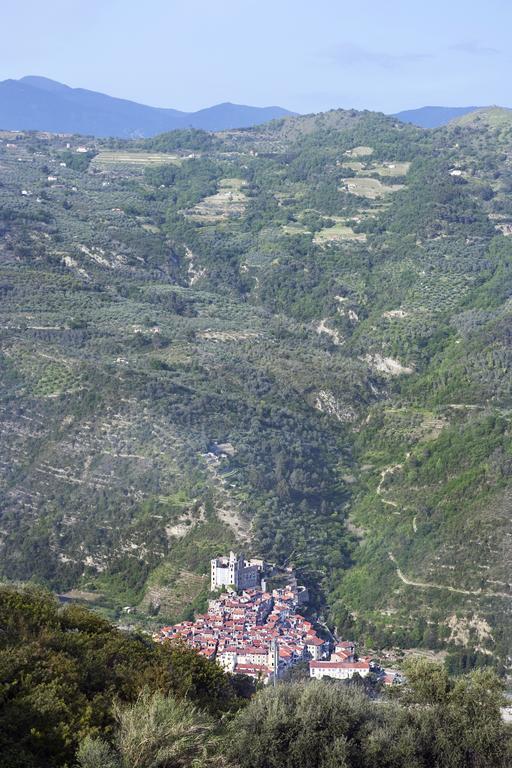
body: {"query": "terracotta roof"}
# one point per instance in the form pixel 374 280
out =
pixel 253 651
pixel 252 667
pixel 341 655
pixel 314 641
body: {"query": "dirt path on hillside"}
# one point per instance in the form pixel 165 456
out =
pixel 428 585
pixel 389 471
pixel 383 475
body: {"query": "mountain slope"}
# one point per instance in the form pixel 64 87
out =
pixel 36 103
pixel 292 339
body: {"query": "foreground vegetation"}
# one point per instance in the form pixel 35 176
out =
pixel 76 691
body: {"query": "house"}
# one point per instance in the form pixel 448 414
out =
pixel 227 658
pixel 208 653
pixel 340 670
pixel 258 671
pixel 253 655
pixel 344 651
pixel 288 657
pixel 315 646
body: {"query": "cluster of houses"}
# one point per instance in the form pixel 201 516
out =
pixel 260 633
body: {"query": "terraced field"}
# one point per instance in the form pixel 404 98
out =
pixel 228 202
pixel 339 232
pixel 107 158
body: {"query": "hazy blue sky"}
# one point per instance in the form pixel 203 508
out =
pixel 306 55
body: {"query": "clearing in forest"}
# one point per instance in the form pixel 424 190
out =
pixel 386 169
pixel 339 232
pixel 370 188
pixel 359 152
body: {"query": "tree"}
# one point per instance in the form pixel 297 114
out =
pixel 62 669
pixel 297 724
pixel 156 731
pixel 161 732
pixel 464 712
pixel 96 753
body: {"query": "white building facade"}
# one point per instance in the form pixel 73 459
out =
pixel 340 670
pixel 234 571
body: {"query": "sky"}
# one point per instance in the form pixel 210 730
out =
pixel 305 55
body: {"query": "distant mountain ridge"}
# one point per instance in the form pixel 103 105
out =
pixel 38 103
pixel 433 117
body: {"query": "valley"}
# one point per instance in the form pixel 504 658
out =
pixel 294 338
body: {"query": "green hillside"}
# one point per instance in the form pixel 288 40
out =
pixel 491 117
pixel 292 339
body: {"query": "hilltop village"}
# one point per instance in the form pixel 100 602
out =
pixel 252 630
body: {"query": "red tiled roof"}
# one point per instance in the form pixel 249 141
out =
pixel 253 651
pixel 252 667
pixel 314 641
pixel 342 655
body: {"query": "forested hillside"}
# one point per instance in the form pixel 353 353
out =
pixel 293 339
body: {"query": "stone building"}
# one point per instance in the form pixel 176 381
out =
pixel 234 571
